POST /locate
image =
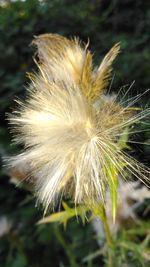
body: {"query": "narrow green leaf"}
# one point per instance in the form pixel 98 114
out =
pixel 113 186
pixel 122 143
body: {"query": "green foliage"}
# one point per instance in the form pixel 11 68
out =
pixel 128 249
pixel 104 23
pixel 66 214
pixel 112 175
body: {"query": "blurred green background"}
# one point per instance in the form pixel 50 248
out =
pixel 104 23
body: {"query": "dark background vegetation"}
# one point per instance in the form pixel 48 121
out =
pixel 104 23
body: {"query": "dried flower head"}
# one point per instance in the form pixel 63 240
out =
pixel 70 130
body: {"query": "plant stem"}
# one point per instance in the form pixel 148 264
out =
pixel 65 246
pixel 107 230
pixel 109 240
pixel 101 213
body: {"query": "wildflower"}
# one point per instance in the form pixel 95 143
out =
pixel 69 129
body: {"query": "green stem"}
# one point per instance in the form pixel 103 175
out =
pixel 65 246
pixel 107 230
pixel 109 240
pixel 100 212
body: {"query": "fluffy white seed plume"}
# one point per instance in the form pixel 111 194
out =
pixel 70 131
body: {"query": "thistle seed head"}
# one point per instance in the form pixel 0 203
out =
pixel 69 129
